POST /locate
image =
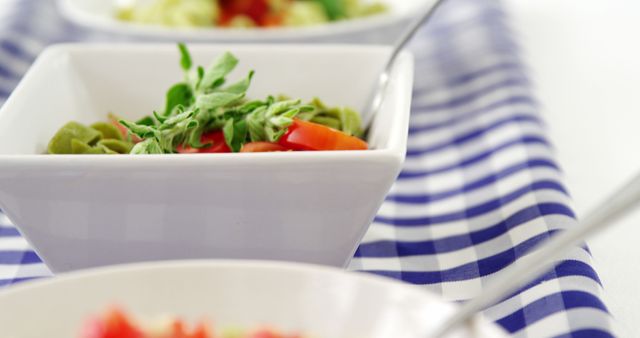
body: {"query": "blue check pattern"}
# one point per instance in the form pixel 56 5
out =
pixel 480 186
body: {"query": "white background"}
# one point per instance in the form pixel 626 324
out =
pixel 585 60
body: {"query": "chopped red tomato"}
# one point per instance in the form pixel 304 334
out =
pixel 216 141
pixel 254 9
pixel 114 325
pixel 179 330
pixel 265 334
pixel 272 20
pixel 225 19
pixel 202 331
pixel 304 135
pixel 261 147
pixel 93 328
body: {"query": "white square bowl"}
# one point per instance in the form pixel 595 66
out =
pixel 93 210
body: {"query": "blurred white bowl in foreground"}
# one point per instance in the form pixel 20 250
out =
pixel 318 301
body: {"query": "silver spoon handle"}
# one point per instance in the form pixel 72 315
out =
pixel 545 255
pixel 377 95
pixel 423 16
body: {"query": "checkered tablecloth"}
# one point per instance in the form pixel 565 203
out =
pixel 479 188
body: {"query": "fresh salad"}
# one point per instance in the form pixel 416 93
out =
pixel 117 324
pixel 245 13
pixel 204 114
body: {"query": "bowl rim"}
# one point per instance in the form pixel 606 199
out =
pixel 332 29
pixel 320 271
pixel 395 152
pixel 306 268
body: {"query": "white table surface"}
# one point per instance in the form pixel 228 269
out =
pixel 585 60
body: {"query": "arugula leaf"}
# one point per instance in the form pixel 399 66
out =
pixel 235 134
pixel 240 135
pixel 277 125
pixel 177 119
pixel 147 120
pixel 251 106
pixel 255 124
pixel 160 118
pixel 279 116
pixel 216 100
pixel 227 130
pixel 241 86
pixel 194 139
pixel 214 77
pixel 200 75
pixel 148 146
pixel 202 103
pixel 178 94
pixel 271 119
pixel 139 130
pixel 185 60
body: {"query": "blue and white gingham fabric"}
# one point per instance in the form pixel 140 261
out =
pixel 479 188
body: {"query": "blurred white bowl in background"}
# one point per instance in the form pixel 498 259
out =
pixel 383 28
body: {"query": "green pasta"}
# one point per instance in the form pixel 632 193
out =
pixel 117 146
pixel 100 138
pixel 344 119
pixel 61 142
pixel 108 130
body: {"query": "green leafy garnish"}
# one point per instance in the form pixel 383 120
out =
pixel 147 121
pixel 214 77
pixel 179 94
pixel 235 133
pixel 203 102
pixel 185 60
pixel 149 146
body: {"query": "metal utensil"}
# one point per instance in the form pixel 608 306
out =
pixel 545 255
pixel 377 94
